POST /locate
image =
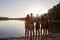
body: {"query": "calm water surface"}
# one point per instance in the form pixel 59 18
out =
pixel 11 28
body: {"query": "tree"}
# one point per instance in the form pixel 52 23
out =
pixel 54 12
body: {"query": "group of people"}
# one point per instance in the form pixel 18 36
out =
pixel 34 26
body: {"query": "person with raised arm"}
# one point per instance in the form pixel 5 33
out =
pixel 27 27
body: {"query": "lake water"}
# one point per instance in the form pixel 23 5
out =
pixel 12 28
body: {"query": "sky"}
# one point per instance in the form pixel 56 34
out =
pixel 20 8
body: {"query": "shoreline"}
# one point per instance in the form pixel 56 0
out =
pixel 13 38
pixel 53 36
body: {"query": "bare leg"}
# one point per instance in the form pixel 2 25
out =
pixel 30 34
pixel 38 34
pixel 41 33
pixel 25 34
pixel 33 34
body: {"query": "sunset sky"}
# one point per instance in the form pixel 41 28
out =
pixel 20 8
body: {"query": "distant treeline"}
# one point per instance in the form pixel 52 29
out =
pixel 4 18
pixel 17 19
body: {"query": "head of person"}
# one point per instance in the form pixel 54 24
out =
pixel 31 14
pixel 27 15
pixel 45 15
pixel 42 17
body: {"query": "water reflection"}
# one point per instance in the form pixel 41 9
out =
pixel 11 28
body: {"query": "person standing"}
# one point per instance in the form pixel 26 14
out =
pixel 50 31
pixel 46 26
pixel 42 26
pixel 27 27
pixel 32 26
pixel 37 26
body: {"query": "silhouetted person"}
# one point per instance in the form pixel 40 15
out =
pixel 31 26
pixel 50 31
pixel 27 27
pixel 37 26
pixel 46 25
pixel 42 24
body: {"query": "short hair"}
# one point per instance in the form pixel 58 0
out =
pixel 45 14
pixel 31 13
pixel 27 15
